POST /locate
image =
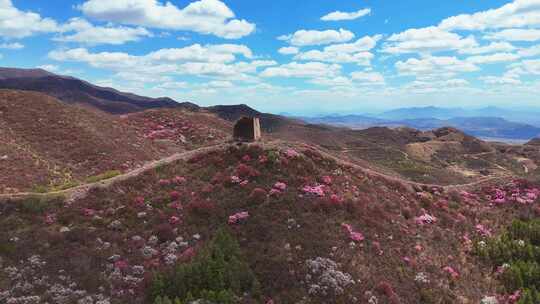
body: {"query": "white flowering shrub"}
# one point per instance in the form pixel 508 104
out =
pixel 325 279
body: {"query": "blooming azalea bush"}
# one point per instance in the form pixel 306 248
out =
pixel 238 217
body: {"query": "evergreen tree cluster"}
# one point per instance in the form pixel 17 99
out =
pixel 217 274
pixel 518 249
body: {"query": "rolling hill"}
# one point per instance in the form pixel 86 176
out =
pixel 75 91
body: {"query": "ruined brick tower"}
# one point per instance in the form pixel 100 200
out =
pixel 247 129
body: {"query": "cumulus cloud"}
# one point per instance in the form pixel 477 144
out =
pixel 363 44
pixel 500 80
pixel 203 16
pixel 338 15
pixel 530 51
pixel 15 23
pixel 339 81
pixel 427 40
pixel 368 77
pixel 303 70
pixel 490 48
pixel 288 50
pixel 519 13
pixel 360 58
pixel 515 35
pixel 493 58
pixel 313 37
pixel 81 31
pixel 356 52
pixel 442 66
pixel 49 68
pixel 526 67
pixel 195 60
pixel 11 46
pixel 199 53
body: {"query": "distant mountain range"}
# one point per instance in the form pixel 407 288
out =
pixel 529 116
pixel 487 127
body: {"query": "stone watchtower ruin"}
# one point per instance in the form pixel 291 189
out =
pixel 247 129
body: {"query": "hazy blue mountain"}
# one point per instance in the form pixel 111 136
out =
pixel 480 126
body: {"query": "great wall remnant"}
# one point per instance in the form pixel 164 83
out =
pixel 247 129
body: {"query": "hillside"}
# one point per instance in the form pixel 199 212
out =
pixel 298 217
pixel 75 91
pixel 48 144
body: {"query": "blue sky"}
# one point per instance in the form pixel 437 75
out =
pixel 303 57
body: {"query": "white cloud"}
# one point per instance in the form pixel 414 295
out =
pixel 289 50
pixel 368 77
pixel 84 32
pixel 356 52
pixel 360 58
pixel 338 81
pixel 198 53
pixel 442 66
pixel 11 46
pixel 530 51
pixel 519 13
pixel 15 23
pixel 203 16
pixel 338 16
pixel 427 40
pixel 363 44
pixel 173 85
pixel 202 61
pixel 526 67
pixel 303 70
pixel 423 87
pixel 490 48
pixel 515 35
pixel 493 58
pixel 500 80
pixel 49 67
pixel 312 37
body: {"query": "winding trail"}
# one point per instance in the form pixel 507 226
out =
pixel 81 191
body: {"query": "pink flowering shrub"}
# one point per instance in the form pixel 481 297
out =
pixel 179 180
pixel 238 217
pixel 173 220
pixel 425 219
pixel 451 271
pixel 235 179
pixel 139 202
pixel 353 235
pixel 164 182
pixel 50 218
pixel 482 230
pixel 89 212
pixel 246 158
pixel 291 153
pixel 317 190
pixel 336 199
pixel 280 186
pixel 174 195
pixel 326 180
pixel 244 171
